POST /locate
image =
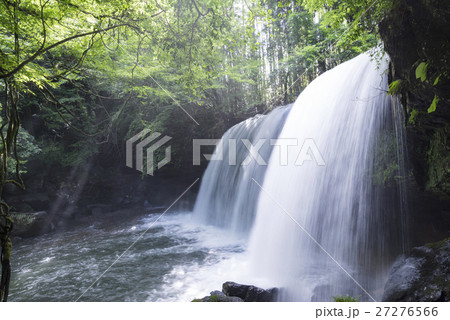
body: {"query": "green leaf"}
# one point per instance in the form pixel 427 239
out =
pixel 436 81
pixel 412 117
pixel 394 87
pixel 432 108
pixel 421 71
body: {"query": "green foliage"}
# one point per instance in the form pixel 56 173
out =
pixel 345 298
pixel 26 149
pixel 413 116
pixel 433 105
pixel 394 87
pixel 359 17
pixel 214 298
pixel 421 71
pixel 212 58
pixel 436 81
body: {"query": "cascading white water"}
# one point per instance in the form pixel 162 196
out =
pixel 322 231
pixel 227 195
pixel 318 230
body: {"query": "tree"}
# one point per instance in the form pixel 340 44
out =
pixel 35 35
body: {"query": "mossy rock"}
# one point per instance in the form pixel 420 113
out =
pixel 345 299
pixel 218 296
pixel 422 276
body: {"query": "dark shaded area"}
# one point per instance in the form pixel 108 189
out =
pixel 414 32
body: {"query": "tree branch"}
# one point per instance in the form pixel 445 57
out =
pixel 54 45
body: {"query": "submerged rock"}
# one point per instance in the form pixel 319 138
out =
pixel 423 276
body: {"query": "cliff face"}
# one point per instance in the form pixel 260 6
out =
pixel 415 32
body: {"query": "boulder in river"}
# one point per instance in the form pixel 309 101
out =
pixel 249 293
pixel 31 224
pixel 236 292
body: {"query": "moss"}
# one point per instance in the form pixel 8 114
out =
pixel 438 157
pixel 437 245
pixel 23 219
pixel 214 298
pixel 345 298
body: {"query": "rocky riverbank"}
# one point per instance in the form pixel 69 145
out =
pixel 421 276
pixel 58 206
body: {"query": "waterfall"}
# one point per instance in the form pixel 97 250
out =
pixel 323 231
pixel 228 196
pixel 326 216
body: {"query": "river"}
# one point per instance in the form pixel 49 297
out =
pixel 173 260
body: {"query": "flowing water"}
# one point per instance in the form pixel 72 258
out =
pixel 307 198
pixel 329 216
pixel 175 260
pixel 327 230
pixel 228 195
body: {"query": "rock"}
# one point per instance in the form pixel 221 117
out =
pixel 408 43
pixel 97 210
pixel 33 201
pixel 217 293
pixel 218 296
pixel 234 289
pixel 31 224
pixel 249 293
pixel 255 294
pixel 423 276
